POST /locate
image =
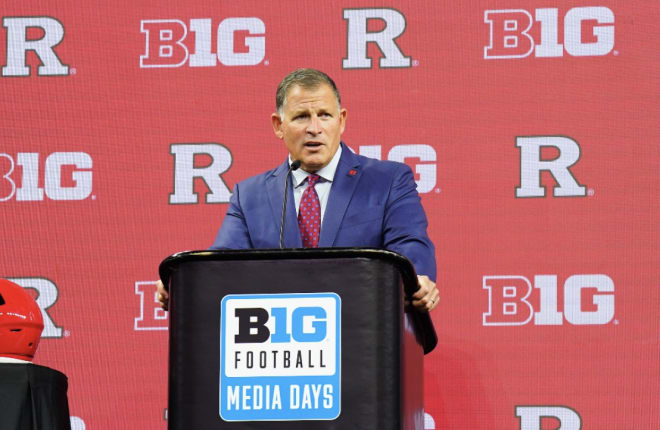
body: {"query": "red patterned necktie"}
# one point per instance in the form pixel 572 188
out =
pixel 309 214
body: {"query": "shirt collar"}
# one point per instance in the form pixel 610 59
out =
pixel 327 172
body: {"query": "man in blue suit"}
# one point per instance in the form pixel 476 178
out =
pixel 363 202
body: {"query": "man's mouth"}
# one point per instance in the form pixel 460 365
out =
pixel 312 145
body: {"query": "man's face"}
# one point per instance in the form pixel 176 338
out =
pixel 311 125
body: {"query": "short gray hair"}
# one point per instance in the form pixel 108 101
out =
pixel 306 78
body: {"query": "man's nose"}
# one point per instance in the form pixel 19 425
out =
pixel 314 126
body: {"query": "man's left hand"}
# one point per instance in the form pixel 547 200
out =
pixel 427 296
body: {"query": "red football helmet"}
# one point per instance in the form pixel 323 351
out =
pixel 21 322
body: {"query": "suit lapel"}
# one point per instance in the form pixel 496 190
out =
pixel 275 188
pixel 343 185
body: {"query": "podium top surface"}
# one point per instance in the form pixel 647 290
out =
pixel 399 261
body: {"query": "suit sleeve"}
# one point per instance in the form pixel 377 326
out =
pixel 233 233
pixel 405 223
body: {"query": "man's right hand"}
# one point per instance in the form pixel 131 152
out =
pixel 163 296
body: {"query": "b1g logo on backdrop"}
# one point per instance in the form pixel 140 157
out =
pixel 66 176
pixel 152 316
pixel 280 357
pixel 510 32
pixel 508 303
pixel 165 47
pixel 533 417
pixel 49 33
pixel 532 164
pixel 425 169
pixel 359 37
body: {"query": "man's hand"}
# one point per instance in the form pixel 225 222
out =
pixel 163 296
pixel 426 297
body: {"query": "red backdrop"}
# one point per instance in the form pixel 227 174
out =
pixel 532 127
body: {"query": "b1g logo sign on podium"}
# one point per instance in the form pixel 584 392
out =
pixel 280 357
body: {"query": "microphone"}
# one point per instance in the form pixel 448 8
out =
pixel 294 166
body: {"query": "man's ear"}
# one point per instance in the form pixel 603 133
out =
pixel 277 125
pixel 343 113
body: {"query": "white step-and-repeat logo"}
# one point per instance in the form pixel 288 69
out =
pixel 508 303
pixel 64 175
pixel 18 45
pixel 510 38
pixel 164 42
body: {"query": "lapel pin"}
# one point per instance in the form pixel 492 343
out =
pixel 352 172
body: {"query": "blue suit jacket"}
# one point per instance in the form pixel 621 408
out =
pixel 372 204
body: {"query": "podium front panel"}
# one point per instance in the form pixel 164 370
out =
pixel 371 333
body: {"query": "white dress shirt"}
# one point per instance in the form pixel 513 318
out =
pixel 322 187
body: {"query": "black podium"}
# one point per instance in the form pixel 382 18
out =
pixel 295 339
